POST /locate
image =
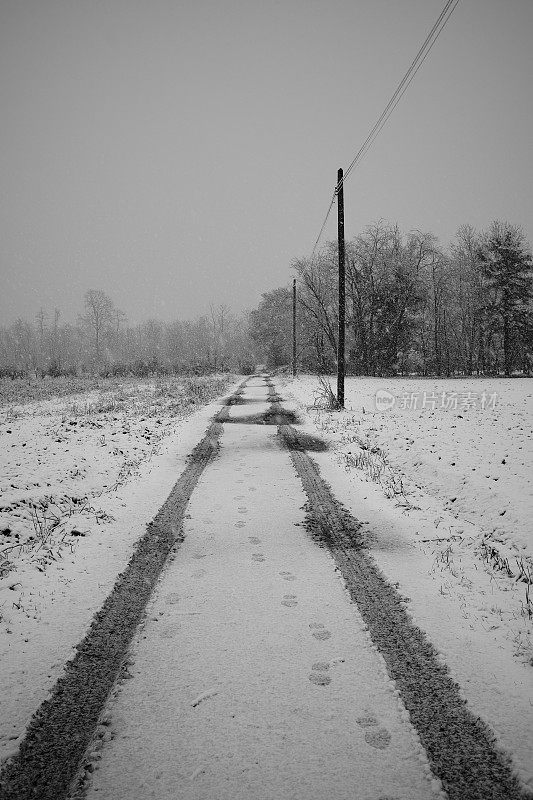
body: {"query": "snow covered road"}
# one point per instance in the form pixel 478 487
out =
pixel 268 651
pixel 254 676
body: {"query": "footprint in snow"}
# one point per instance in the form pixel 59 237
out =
pixel 254 540
pixel 319 678
pixel 199 573
pixel 242 510
pixel 379 737
pixel 319 674
pixel 170 631
pixel 374 736
pixel 258 557
pixel 321 634
pixel 288 576
pixel 240 524
pixel 289 600
pixel 367 722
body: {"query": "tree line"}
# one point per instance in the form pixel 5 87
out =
pixel 102 342
pixel 411 305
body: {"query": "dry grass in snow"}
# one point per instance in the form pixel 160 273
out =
pixel 63 455
pixel 81 474
pixel 457 453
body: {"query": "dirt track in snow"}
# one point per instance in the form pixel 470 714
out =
pixel 459 747
pixel 60 731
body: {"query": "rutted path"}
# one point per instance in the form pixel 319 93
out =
pixel 61 729
pixel 254 676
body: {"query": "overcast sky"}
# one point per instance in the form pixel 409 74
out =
pixel 177 153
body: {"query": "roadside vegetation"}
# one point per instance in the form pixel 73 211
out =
pixel 102 344
pixel 412 306
pixel 455 474
pixel 63 458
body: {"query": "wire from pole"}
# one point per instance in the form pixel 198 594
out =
pixel 423 52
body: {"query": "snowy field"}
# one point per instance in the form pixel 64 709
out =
pixel 438 472
pixel 459 451
pixel 467 444
pixel 444 495
pixel 84 465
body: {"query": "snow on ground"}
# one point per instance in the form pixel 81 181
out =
pixel 429 483
pixel 468 443
pixel 80 476
pixel 398 470
pixel 254 676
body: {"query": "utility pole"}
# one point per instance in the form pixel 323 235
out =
pixel 294 327
pixel 342 290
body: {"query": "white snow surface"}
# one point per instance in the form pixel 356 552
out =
pixel 221 668
pixel 431 546
pixel 80 477
pixel 467 443
pixel 254 676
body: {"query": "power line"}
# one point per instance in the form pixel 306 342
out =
pixel 404 83
pixel 406 80
pixel 423 52
pixel 325 221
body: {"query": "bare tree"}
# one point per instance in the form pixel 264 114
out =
pixel 99 311
pixel 41 326
pixel 152 342
pixel 220 318
pixel 270 327
pixel 318 283
pixel 467 291
pixel 364 261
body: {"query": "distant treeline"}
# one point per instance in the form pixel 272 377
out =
pixel 411 306
pixel 103 343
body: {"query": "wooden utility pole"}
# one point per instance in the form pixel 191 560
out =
pixel 342 290
pixel 294 327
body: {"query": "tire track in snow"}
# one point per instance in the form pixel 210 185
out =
pixel 54 746
pixel 461 748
